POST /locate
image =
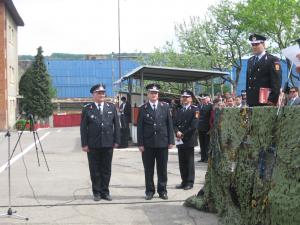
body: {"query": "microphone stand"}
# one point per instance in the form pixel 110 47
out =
pixel 10 213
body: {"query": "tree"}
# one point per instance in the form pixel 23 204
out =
pixel 220 38
pixel 277 19
pixel 168 56
pixel 36 89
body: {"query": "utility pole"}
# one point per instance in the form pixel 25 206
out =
pixel 119 34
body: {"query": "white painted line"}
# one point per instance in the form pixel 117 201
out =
pixel 14 159
pixel 58 131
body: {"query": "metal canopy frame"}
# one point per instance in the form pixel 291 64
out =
pixel 168 74
pixel 171 74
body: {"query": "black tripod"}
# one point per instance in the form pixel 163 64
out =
pixel 35 138
pixel 10 213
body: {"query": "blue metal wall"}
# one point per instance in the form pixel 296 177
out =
pixel 74 78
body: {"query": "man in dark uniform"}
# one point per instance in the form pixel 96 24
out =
pixel 205 108
pixel 125 118
pixel 185 128
pixel 125 111
pixel 264 74
pixel 155 136
pixel 100 133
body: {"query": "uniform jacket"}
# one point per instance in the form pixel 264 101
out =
pixel 266 73
pixel 187 123
pixel 126 113
pixel 96 132
pixel 295 102
pixel 205 111
pixel 155 130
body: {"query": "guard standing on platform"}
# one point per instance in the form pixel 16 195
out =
pixel 264 74
pixel 155 136
pixel 185 128
pixel 100 133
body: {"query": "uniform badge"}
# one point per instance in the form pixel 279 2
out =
pixel 92 116
pixel 277 66
pixel 197 114
pixel 148 115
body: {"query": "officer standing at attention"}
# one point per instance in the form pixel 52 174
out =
pixel 155 136
pixel 263 72
pixel 185 128
pixel 100 133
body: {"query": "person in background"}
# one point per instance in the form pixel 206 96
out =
pixel 100 133
pixel 125 113
pixel 294 96
pixel 205 108
pixel 185 127
pixel 155 136
pixel 238 101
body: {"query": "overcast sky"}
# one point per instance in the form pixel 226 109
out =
pixel 91 26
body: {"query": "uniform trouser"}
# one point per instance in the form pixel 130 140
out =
pixel 149 156
pixel 186 165
pixel 204 144
pixel 100 169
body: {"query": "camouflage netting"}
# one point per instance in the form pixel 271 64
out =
pixel 253 175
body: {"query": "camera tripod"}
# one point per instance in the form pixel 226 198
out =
pixel 10 213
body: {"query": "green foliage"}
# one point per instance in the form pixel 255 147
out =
pixel 220 38
pixel 277 19
pixel 35 87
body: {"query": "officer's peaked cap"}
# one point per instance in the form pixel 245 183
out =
pixel 98 88
pixel 257 38
pixel 153 87
pixel 186 93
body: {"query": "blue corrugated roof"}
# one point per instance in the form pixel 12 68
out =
pixel 74 78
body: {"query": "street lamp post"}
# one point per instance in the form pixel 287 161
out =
pixel 119 38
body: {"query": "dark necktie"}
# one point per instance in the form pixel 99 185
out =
pixel 255 60
pixel 100 111
pixel 154 109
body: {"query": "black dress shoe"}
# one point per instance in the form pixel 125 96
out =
pixel 180 186
pixel 149 196
pixel 106 197
pixel 163 196
pixel 97 198
pixel 188 187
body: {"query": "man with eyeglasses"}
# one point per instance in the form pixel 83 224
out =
pixel 294 96
pixel 264 75
pixel 155 136
pixel 100 133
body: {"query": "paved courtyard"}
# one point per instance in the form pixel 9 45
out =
pixel 63 194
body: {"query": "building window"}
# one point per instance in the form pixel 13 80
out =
pixel 11 34
pixel 11 75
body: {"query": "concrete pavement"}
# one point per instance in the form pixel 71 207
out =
pixel 63 195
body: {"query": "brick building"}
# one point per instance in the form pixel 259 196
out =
pixel 9 22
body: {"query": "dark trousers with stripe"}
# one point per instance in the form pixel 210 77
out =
pixel 204 144
pixel 186 165
pixel 100 169
pixel 160 156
